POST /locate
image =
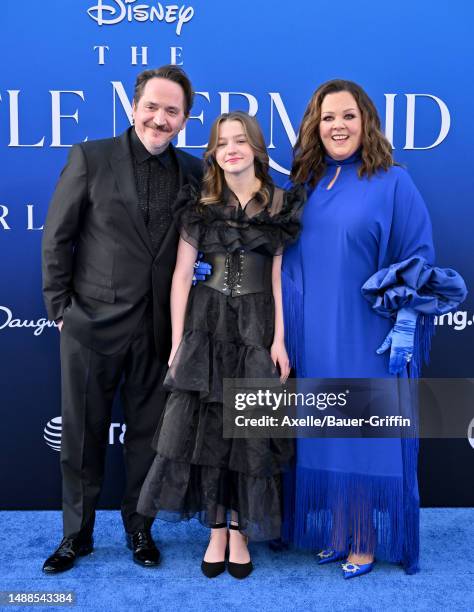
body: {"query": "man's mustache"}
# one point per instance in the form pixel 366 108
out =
pixel 158 128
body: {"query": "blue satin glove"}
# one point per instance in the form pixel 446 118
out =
pixel 400 340
pixel 201 270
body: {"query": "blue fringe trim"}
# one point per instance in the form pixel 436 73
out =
pixel 411 506
pixel 334 509
pixel 293 315
pixel 425 329
pixel 424 333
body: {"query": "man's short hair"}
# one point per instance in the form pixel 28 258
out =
pixel 172 73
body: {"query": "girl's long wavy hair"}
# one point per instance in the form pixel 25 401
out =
pixel 214 180
pixel 308 153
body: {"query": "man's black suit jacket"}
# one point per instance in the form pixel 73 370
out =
pixel 99 268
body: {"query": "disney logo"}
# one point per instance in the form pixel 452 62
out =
pixel 38 325
pixel 110 14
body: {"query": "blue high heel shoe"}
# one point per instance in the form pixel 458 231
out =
pixel 351 570
pixel 329 556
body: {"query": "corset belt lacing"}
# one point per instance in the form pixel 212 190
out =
pixel 239 273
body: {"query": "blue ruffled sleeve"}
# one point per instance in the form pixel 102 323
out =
pixel 413 283
pixel 407 277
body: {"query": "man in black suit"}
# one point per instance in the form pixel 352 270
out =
pixel 109 251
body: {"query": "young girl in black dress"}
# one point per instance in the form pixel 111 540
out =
pixel 229 326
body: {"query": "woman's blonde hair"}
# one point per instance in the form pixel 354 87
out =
pixel 214 181
pixel 308 154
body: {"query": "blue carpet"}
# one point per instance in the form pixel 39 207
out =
pixel 108 580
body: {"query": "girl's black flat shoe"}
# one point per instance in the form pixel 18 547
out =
pixel 212 570
pixel 239 570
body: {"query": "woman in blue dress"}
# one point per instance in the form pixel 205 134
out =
pixel 363 265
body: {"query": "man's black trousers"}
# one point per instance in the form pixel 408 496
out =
pixel 89 383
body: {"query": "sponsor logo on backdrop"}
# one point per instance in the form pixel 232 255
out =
pixel 52 433
pixel 53 429
pixel 459 321
pixel 112 12
pixel 470 433
pixel 7 320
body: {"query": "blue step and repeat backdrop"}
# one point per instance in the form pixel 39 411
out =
pixel 67 75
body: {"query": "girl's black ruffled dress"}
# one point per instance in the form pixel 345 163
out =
pixel 196 472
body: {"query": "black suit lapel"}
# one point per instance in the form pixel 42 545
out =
pixel 122 167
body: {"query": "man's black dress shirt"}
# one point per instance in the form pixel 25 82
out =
pixel 157 182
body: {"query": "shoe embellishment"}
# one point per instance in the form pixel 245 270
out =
pixel 350 567
pixel 325 554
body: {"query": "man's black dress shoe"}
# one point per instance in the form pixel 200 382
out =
pixel 64 557
pixel 145 552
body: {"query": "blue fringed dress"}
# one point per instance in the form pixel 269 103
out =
pixel 371 234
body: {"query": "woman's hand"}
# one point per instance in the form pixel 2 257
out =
pixel 280 359
pixel 400 340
